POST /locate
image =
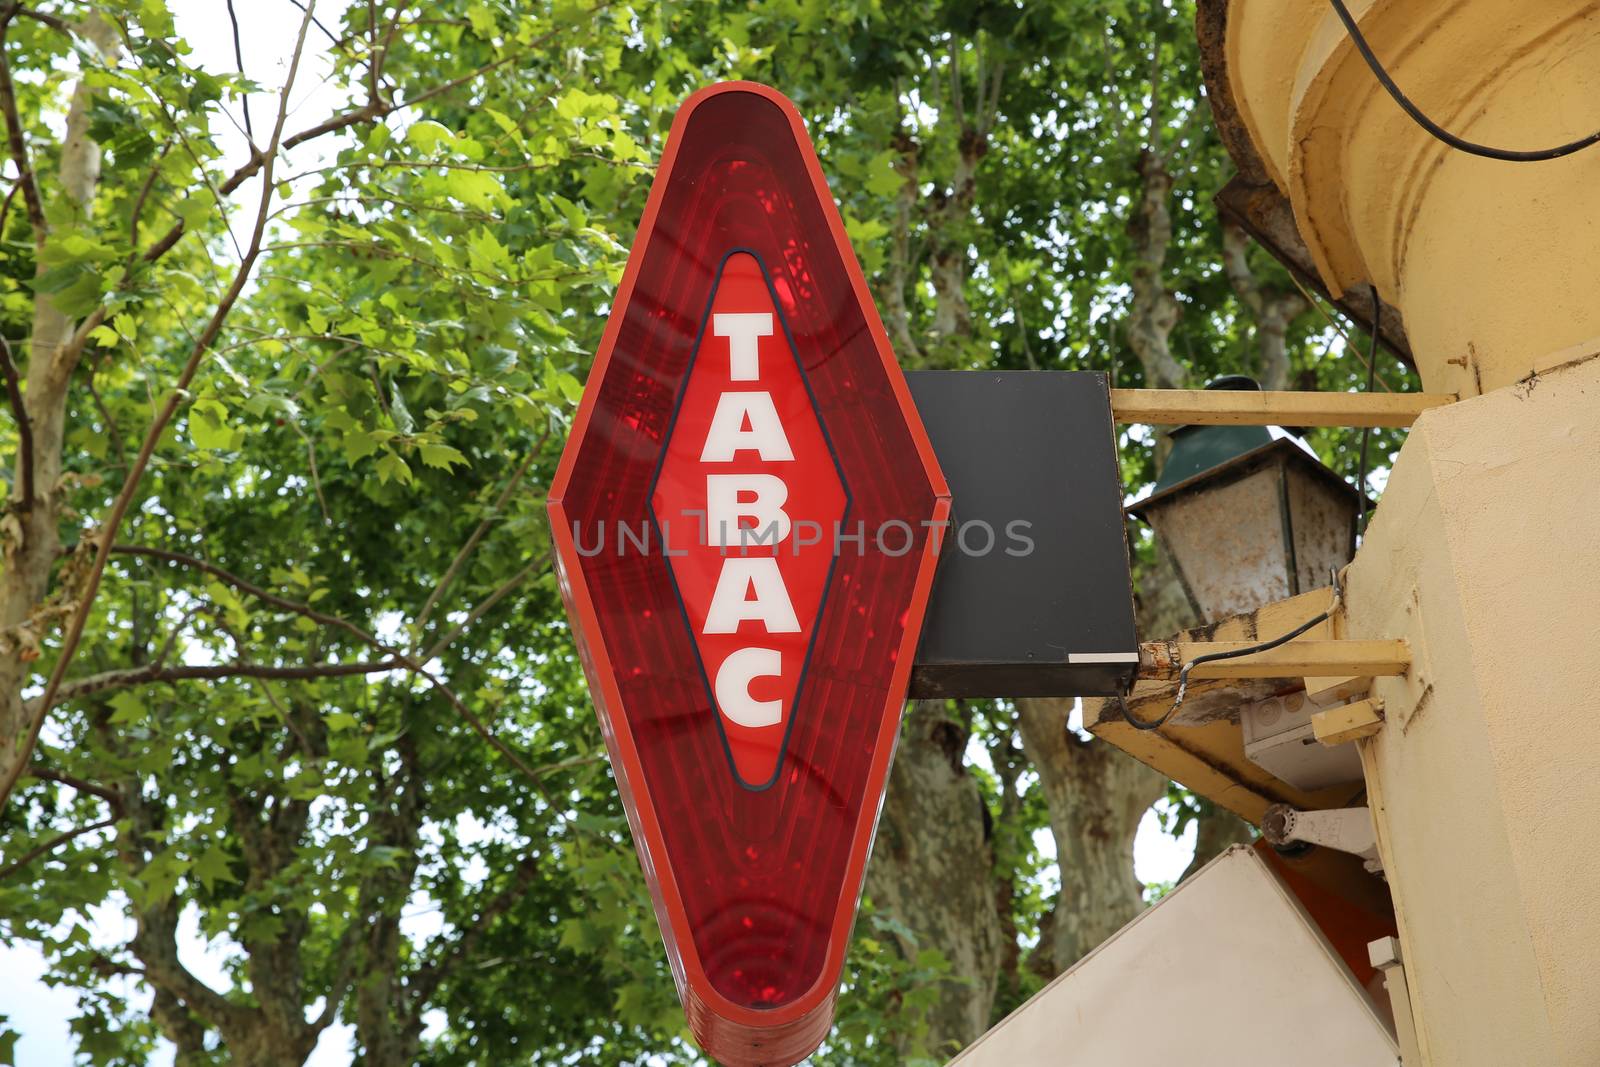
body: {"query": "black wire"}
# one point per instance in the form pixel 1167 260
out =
pixel 1211 657
pixel 1458 143
pixel 1366 431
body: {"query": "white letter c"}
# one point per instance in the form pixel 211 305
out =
pixel 733 686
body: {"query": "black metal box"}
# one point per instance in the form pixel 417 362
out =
pixel 1032 596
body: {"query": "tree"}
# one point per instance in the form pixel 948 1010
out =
pixel 282 659
pixel 290 428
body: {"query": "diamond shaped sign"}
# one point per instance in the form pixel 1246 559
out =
pixel 747 516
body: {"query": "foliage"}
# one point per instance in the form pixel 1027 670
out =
pixel 325 709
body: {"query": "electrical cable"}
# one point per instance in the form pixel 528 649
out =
pixel 1211 657
pixel 1366 431
pixel 1461 144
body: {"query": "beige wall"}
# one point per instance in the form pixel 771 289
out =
pixel 1484 555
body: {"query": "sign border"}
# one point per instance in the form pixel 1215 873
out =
pixel 699 996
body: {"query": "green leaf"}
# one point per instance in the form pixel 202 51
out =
pixel 482 20
pixel 261 926
pixel 160 877
pixel 126 706
pixel 882 178
pixel 212 866
pixel 428 135
pixel 570 387
pixel 398 410
pixel 443 456
pixel 230 602
pixel 73 288
pixel 486 254
pixel 625 147
pixel 570 104
pixel 341 721
pixel 195 209
pixel 208 426
pixel 478 189
pixel 358 445
pixel 507 127
pixel 391 466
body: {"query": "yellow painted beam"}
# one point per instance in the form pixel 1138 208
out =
pixel 1331 692
pixel 1226 407
pixel 1297 659
pixel 1348 722
pixel 1209 759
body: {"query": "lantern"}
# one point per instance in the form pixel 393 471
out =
pixel 1249 514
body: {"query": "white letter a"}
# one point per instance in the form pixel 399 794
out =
pixel 770 606
pixel 728 435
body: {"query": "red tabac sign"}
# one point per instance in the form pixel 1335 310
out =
pixel 747 517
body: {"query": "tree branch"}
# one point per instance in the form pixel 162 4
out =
pixel 138 202
pixel 5 205
pixel 372 49
pixel 111 424
pixel 428 977
pixel 19 411
pixel 393 658
pixel 1350 346
pixel 15 138
pixel 372 110
pixel 488 602
pixel 51 845
pixel 329 34
pixel 194 562
pixel 1153 312
pixel 238 55
pixel 1274 310
pixel 128 676
pixel 59 25
pixel 105 793
pixel 155 942
pixel 264 163
pixel 1236 264
pixel 477 534
pixel 956 103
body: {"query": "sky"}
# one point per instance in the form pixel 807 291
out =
pixel 268 29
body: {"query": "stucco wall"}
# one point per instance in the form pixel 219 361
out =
pixel 1484 556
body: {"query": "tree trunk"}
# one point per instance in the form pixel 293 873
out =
pixel 1096 797
pixel 896 315
pixel 30 531
pixel 1216 831
pixel 1273 309
pixel 932 868
pixel 1153 313
pixel 388 1016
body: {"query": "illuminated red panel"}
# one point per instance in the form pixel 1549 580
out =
pixel 755 888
